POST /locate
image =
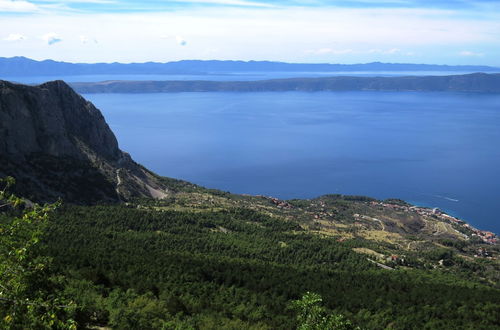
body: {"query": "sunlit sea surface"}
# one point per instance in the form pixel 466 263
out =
pixel 431 149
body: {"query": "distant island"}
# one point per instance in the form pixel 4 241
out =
pixel 477 82
pixel 22 66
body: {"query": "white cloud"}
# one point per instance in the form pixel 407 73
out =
pixel 85 40
pixel 178 39
pixel 385 51
pixel 181 41
pixel 51 38
pixel 330 51
pixel 241 3
pixel 83 1
pixel 347 35
pixel 17 6
pixel 15 37
pixel 470 54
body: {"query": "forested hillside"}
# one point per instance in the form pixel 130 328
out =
pixel 138 267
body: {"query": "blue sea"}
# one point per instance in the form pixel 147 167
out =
pixel 431 149
pixel 234 76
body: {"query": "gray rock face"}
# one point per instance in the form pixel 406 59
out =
pixel 53 119
pixel 58 145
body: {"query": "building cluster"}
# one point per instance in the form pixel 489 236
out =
pixel 485 236
pixel 279 203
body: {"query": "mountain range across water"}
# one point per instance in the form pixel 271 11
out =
pixel 22 66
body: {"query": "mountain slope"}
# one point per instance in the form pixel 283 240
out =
pixel 58 145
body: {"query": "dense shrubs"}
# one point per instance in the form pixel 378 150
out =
pixel 236 268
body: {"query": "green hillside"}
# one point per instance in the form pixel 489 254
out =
pixel 204 259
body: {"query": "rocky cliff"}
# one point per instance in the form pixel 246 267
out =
pixel 58 145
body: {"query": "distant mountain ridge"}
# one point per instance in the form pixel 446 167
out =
pixel 22 66
pixel 58 145
pixel 478 82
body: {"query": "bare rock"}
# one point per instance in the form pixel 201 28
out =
pixel 58 145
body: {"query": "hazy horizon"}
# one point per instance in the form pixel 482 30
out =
pixel 246 61
pixel 452 32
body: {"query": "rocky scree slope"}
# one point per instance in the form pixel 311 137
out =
pixel 58 145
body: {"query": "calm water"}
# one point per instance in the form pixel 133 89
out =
pixel 432 149
pixel 249 76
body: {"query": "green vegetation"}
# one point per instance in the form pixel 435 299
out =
pixel 204 259
pixel 30 296
pixel 237 268
pixel 312 315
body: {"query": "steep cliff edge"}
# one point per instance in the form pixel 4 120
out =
pixel 58 145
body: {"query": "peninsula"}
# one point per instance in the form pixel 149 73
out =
pixel 476 82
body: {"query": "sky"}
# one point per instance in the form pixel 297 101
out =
pixel 306 31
